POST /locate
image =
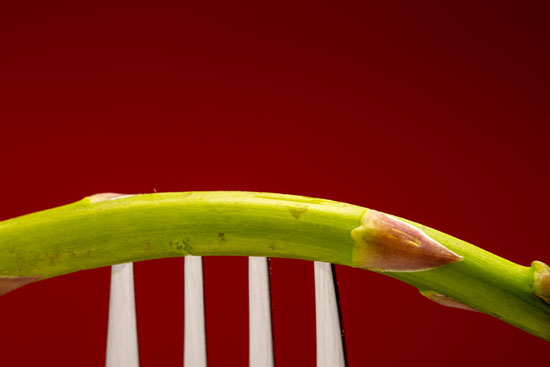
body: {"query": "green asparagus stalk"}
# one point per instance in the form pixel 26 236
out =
pixel 107 229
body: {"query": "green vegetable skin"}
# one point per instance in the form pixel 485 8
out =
pixel 96 232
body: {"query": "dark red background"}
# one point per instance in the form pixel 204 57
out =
pixel 434 112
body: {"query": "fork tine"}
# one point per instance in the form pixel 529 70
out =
pixel 260 335
pixel 330 348
pixel 194 350
pixel 122 341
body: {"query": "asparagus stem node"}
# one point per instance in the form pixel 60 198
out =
pixel 541 280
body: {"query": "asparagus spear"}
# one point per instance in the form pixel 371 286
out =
pixel 107 229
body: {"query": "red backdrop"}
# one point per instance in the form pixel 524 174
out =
pixel 433 112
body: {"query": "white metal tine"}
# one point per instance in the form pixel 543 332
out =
pixel 194 349
pixel 259 300
pixel 330 348
pixel 122 341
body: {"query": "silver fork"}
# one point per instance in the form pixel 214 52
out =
pixel 122 342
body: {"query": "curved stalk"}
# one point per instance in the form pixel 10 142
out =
pixel 97 232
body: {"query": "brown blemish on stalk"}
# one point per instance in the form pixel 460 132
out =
pixel 541 280
pixel 53 257
pixel 183 246
pixel 9 283
pixel 385 243
pixel 446 301
pixel 296 212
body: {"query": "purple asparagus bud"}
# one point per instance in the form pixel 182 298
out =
pixel 445 300
pixel 385 243
pixel 8 283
